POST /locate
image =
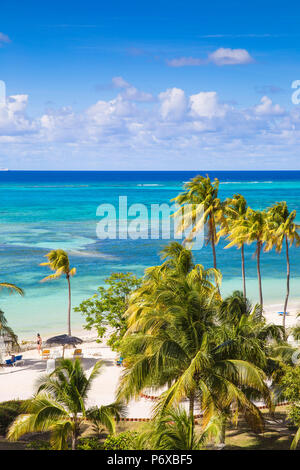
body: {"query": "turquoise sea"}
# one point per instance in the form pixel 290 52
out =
pixel 45 210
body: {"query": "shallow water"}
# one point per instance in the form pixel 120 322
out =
pixel 46 210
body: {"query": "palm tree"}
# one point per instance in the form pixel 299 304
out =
pixel 176 431
pixel 283 229
pixel 254 228
pixel 58 261
pixel 246 333
pixel 59 407
pixel 5 330
pixel 173 341
pixel 235 214
pixel 175 297
pixel 200 195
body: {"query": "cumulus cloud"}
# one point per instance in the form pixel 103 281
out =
pixel 227 56
pixel 205 104
pixel 13 118
pixel 175 124
pixel 222 56
pixel 266 107
pixel 173 103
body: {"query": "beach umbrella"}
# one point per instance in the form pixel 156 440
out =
pixel 64 340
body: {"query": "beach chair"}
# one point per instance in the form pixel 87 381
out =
pixel 50 366
pixel 46 354
pixel 56 354
pixel 119 362
pixel 19 360
pixel 10 362
pixel 77 354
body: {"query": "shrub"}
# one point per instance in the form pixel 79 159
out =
pixel 123 441
pixel 89 443
pixel 39 445
pixel 9 410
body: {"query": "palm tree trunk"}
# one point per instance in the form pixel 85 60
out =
pixel 258 249
pixel 223 429
pixel 69 308
pixel 74 442
pixel 191 404
pixel 243 270
pixel 213 240
pixel 75 433
pixel 287 283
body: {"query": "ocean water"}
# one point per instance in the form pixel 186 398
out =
pixel 45 210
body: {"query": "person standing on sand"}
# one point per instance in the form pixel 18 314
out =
pixel 39 343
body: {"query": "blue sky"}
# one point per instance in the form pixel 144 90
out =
pixel 149 85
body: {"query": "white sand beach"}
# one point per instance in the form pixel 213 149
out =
pixel 19 382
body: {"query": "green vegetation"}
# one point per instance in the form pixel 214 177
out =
pixel 5 330
pixel 183 336
pixel 9 410
pixel 290 383
pixel 176 332
pixel 59 407
pixel 107 307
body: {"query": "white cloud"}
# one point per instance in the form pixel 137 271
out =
pixel 173 103
pixel 266 107
pixel 119 82
pixel 205 104
pixel 121 132
pixel 130 92
pixel 227 56
pixel 222 56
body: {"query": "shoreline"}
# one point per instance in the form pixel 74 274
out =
pixel 271 310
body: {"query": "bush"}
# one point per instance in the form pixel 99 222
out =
pixel 9 410
pixel 123 441
pixel 39 445
pixel 89 443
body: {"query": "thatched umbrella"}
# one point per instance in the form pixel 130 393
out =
pixel 64 340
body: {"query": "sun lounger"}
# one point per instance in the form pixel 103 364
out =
pixel 77 354
pixel 50 366
pixel 281 313
pixel 46 354
pixel 119 362
pixel 19 360
pixel 56 354
pixel 10 362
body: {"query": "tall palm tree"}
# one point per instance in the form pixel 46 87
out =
pixel 254 228
pixel 58 261
pixel 283 230
pixel 235 214
pixel 59 407
pixel 200 194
